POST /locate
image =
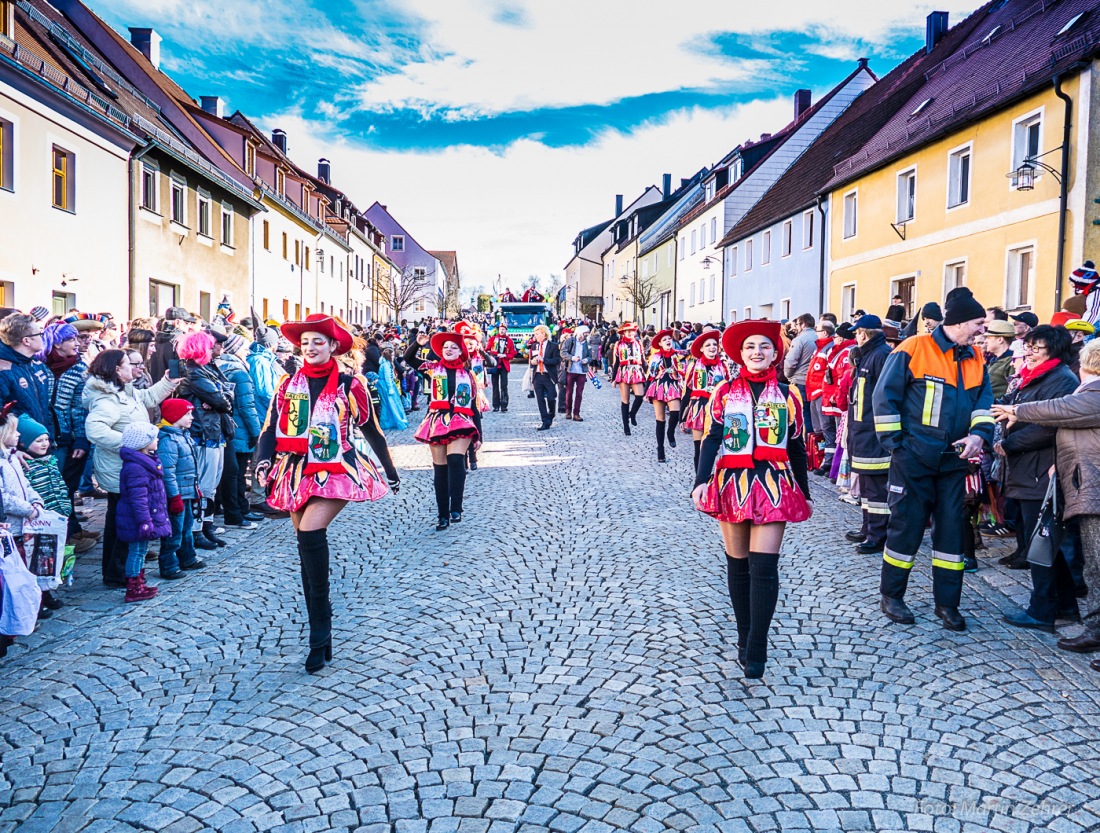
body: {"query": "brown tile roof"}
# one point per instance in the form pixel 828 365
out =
pixel 449 261
pixel 1003 52
pixel 799 186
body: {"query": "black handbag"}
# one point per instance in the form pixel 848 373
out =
pixel 1046 538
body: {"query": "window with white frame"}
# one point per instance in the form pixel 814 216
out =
pixel 708 194
pixel 954 275
pixel 645 268
pixel 748 313
pixel 178 202
pixel 713 287
pixel 1027 139
pixel 766 248
pixel 808 229
pixel 714 229
pixel 851 209
pixel 420 274
pixel 731 260
pixel 691 295
pixel 204 218
pixel 958 177
pixel 788 233
pixel 703 236
pixel 907 195
pixel 847 301
pixel 7 155
pixel 748 255
pixel 733 316
pixel 683 247
pixel 397 243
pixel 670 248
pixel 227 225
pixel 63 179
pixel 785 309
pixel 694 240
pixel 149 177
pixel 1020 277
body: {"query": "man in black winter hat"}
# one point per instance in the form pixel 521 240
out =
pixel 932 414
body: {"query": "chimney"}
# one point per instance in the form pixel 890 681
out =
pixel 666 185
pixel 147 42
pixel 801 102
pixel 765 136
pixel 618 204
pixel 934 30
pixel 211 104
pixel 684 181
pixel 324 171
pixel 278 138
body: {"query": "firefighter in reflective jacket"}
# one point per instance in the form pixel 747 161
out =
pixel 869 459
pixel 932 414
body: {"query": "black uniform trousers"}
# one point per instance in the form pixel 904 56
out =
pixel 500 389
pixel 919 489
pixel 873 492
pixel 546 390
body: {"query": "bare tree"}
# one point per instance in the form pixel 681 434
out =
pixel 642 293
pixel 398 292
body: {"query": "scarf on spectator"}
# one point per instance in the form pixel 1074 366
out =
pixel 59 365
pixel 1029 375
pixel 753 430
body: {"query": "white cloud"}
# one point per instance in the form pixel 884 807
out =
pixel 515 212
pixel 572 52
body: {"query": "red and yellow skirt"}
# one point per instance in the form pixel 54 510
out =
pixel 665 390
pixel 694 416
pixel 629 374
pixel 760 495
pixel 443 426
pixel 289 488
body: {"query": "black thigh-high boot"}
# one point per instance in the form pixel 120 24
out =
pixel 763 596
pixel 471 455
pixel 626 419
pixel 638 400
pixel 442 495
pixel 698 445
pixel 314 557
pixel 673 421
pixel 660 441
pixel 737 577
pixel 456 480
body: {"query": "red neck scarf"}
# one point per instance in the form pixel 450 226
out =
pixel 768 375
pixel 58 365
pixel 666 354
pixel 1029 375
pixel 453 364
pixel 319 371
pixel 711 362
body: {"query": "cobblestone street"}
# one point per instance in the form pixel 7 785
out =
pixel 564 659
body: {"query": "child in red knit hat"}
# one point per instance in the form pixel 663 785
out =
pixel 177 457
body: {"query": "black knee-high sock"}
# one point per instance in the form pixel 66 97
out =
pixel 456 479
pixel 638 400
pixel 626 418
pixel 442 489
pixel 698 445
pixel 737 578
pixel 660 439
pixel 472 455
pixel 313 555
pixel 763 596
pixel 673 421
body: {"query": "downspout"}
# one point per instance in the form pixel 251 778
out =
pixel 675 275
pixel 1063 196
pixel 134 159
pixel 821 258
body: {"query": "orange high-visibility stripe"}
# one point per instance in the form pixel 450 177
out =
pixel 927 359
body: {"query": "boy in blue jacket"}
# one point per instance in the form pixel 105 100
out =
pixel 177 457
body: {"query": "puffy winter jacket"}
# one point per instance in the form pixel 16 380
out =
pixel 68 407
pixel 143 507
pixel 208 390
pixel 266 372
pixel 110 410
pixel 29 384
pixel 18 494
pixel 247 420
pixel 177 458
pixel 1029 448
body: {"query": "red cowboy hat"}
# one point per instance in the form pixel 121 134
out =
pixel 439 339
pixel 701 339
pixel 466 329
pixel 326 325
pixel 628 325
pixel 735 336
pixel 657 338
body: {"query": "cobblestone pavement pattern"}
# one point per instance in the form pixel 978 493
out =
pixel 563 660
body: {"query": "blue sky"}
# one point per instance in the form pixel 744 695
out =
pixel 499 129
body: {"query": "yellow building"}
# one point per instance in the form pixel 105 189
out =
pixel 965 185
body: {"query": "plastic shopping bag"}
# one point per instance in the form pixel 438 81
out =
pixel 44 543
pixel 528 383
pixel 21 596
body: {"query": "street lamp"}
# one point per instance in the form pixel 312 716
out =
pixel 708 260
pixel 1023 178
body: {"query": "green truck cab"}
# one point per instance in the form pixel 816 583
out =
pixel 521 319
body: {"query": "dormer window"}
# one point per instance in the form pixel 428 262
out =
pixel 250 160
pixel 280 183
pixel 7 19
pixel 709 191
pixel 737 169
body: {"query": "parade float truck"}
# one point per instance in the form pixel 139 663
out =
pixel 522 317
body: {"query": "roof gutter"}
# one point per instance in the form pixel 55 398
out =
pixel 1063 196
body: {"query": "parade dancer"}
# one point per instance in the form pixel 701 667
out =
pixel 309 464
pixel 629 372
pixel 666 387
pixel 702 373
pixel 448 428
pixel 752 478
pixel 502 346
pixel 479 360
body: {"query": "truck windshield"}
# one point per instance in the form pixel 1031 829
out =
pixel 523 320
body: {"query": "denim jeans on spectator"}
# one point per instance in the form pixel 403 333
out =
pixel 86 485
pixel 179 550
pixel 135 557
